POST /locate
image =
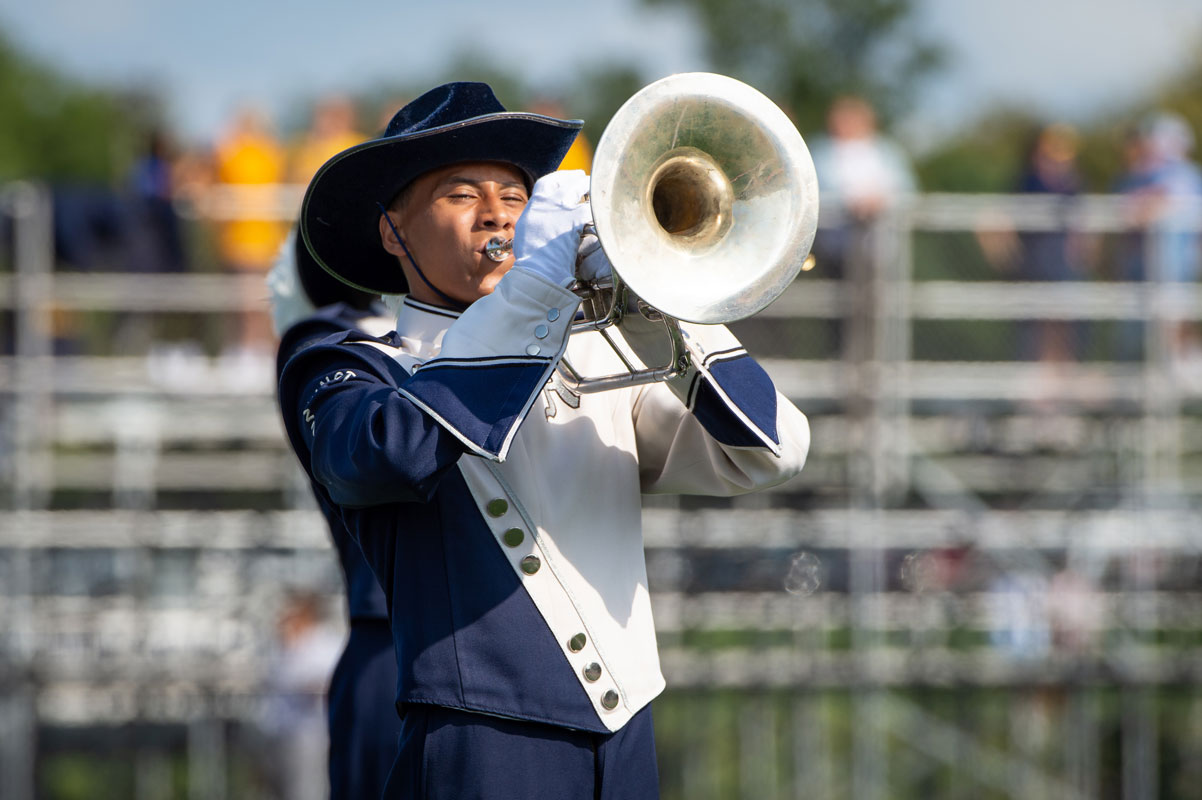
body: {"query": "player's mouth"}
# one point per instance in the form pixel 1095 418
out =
pixel 497 248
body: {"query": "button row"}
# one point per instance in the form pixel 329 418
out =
pixel 541 331
pixel 498 507
pixel 513 537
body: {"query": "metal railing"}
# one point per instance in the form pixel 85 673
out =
pixel 1021 468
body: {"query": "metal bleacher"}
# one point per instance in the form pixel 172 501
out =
pixel 152 519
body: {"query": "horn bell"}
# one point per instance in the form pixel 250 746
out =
pixel 704 197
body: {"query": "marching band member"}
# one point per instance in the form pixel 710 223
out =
pixel 308 305
pixel 499 510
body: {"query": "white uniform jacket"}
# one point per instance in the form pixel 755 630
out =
pixel 501 512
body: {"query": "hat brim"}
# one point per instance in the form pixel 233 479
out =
pixel 341 210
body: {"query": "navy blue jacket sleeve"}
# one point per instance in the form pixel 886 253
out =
pixel 363 440
pixel 375 432
pixel 364 597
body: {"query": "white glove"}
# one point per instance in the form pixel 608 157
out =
pixel 591 262
pixel 289 303
pixel 547 235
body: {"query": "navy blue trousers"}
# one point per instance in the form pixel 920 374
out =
pixel 364 725
pixel 447 754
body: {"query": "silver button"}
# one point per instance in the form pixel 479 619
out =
pixel 609 700
pixel 497 507
pixel 533 350
pixel 530 564
pixel 513 537
pixel 541 331
pixel 577 642
pixel 592 671
pixel 552 315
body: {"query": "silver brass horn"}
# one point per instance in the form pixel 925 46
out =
pixel 705 200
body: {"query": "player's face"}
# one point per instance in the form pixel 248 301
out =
pixel 448 217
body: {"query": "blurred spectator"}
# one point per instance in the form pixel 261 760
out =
pixel 249 156
pixel 131 227
pixel 152 186
pixel 1164 189
pixel 1076 610
pixel 940 574
pixel 1130 246
pixel 295 721
pixel 93 232
pixel 91 227
pixel 1049 169
pixel 861 175
pixel 332 129
pixel 580 155
pixel 1018 611
pixel 309 304
pixel 192 174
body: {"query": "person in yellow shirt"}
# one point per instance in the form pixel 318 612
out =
pixel 331 131
pixel 249 156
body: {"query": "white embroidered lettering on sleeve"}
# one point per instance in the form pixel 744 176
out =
pixel 337 377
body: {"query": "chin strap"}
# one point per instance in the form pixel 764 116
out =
pixel 450 301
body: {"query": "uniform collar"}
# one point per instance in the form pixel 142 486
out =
pixel 421 327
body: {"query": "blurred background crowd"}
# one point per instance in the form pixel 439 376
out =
pixel 134 195
pixel 987 581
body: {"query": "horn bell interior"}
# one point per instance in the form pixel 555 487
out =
pixel 704 197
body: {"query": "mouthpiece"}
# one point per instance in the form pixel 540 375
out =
pixel 498 248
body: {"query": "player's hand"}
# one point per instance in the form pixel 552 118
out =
pixel 547 235
pixel 591 262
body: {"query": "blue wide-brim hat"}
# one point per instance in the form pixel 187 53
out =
pixel 453 123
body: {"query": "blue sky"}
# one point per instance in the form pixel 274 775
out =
pixel 1065 58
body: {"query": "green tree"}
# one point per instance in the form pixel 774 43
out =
pixel 985 157
pixel 57 128
pixel 597 93
pixel 804 53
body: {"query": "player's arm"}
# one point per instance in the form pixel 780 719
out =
pixel 376 431
pixel 722 428
pixel 361 439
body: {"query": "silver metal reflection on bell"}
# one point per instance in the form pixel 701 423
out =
pixel 498 248
pixel 704 197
